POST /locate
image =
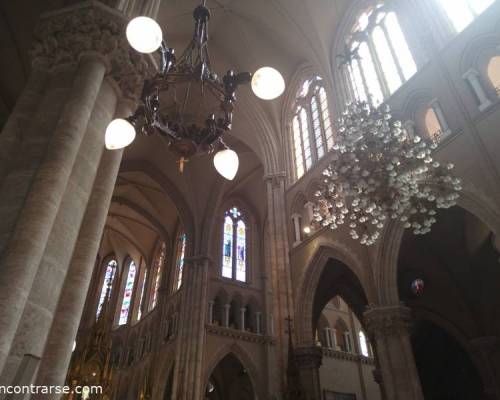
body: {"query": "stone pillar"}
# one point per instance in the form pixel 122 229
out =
pixel 472 76
pixel 488 348
pixel 308 360
pixel 57 353
pixel 227 308
pixel 46 224
pixel 188 380
pixel 242 318
pixel 296 229
pixel 22 114
pixel 328 338
pixel 389 328
pixel 211 312
pixel 279 268
pixel 258 318
pixel 334 339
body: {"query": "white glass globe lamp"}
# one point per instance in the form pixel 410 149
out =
pixel 119 134
pixel 144 34
pixel 226 163
pixel 268 83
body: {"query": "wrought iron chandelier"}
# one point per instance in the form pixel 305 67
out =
pixel 185 101
pixel 379 172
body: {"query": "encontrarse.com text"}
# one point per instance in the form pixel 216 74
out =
pixel 36 389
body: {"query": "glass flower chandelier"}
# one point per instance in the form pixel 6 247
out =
pixel 379 173
pixel 186 102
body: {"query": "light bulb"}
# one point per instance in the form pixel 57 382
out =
pixel 226 163
pixel 144 34
pixel 268 83
pixel 119 134
pixel 307 230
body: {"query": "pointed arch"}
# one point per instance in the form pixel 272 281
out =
pixel 245 360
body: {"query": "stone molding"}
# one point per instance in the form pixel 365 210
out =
pixel 391 320
pixel 308 357
pixel 239 335
pixel 342 355
pixel 91 28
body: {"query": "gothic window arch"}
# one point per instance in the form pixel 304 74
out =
pixel 157 270
pixel 234 246
pixel 180 254
pixel 312 132
pixel 142 293
pixel 128 292
pixel 460 13
pixel 107 282
pixel 377 57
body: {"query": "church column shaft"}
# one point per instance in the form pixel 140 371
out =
pixel 389 327
pixel 25 249
pixel 57 352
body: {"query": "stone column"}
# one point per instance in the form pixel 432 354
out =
pixel 25 249
pixel 296 229
pixel 389 328
pixel 22 114
pixel 488 348
pixel 472 76
pixel 188 380
pixel 308 360
pixel 57 353
pixel 211 312
pixel 62 45
pixel 258 318
pixel 227 308
pixel 242 318
pixel 279 269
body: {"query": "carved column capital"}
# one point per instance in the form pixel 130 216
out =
pixel 387 320
pixel 308 357
pixel 91 28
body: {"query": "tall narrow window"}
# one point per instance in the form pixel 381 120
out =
pixel 158 263
pixel 128 292
pixel 234 246
pixel 312 131
pixel 363 344
pixel 144 280
pixel 462 12
pixel 380 60
pixel 179 258
pixel 107 282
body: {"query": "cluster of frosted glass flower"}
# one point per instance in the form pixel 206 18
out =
pixel 379 172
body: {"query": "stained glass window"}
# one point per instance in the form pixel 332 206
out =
pixel 234 246
pixel 127 294
pixel 107 282
pixel 181 252
pixel 312 132
pixel 383 60
pixel 139 311
pixel 227 249
pixel 157 270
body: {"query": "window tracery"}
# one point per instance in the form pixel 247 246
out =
pixel 179 260
pixel 378 59
pixel 158 264
pixel 107 282
pixel 234 246
pixel 312 131
pixel 127 293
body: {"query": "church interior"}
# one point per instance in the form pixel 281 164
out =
pixel 325 226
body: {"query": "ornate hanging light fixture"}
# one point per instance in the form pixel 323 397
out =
pixel 379 172
pixel 186 102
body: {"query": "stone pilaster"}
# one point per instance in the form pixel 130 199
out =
pixel 389 328
pixel 308 361
pixel 188 381
pixel 83 43
pixel 279 263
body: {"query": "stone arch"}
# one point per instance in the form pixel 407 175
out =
pixel 246 361
pixel 310 280
pixel 387 252
pixel 476 52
